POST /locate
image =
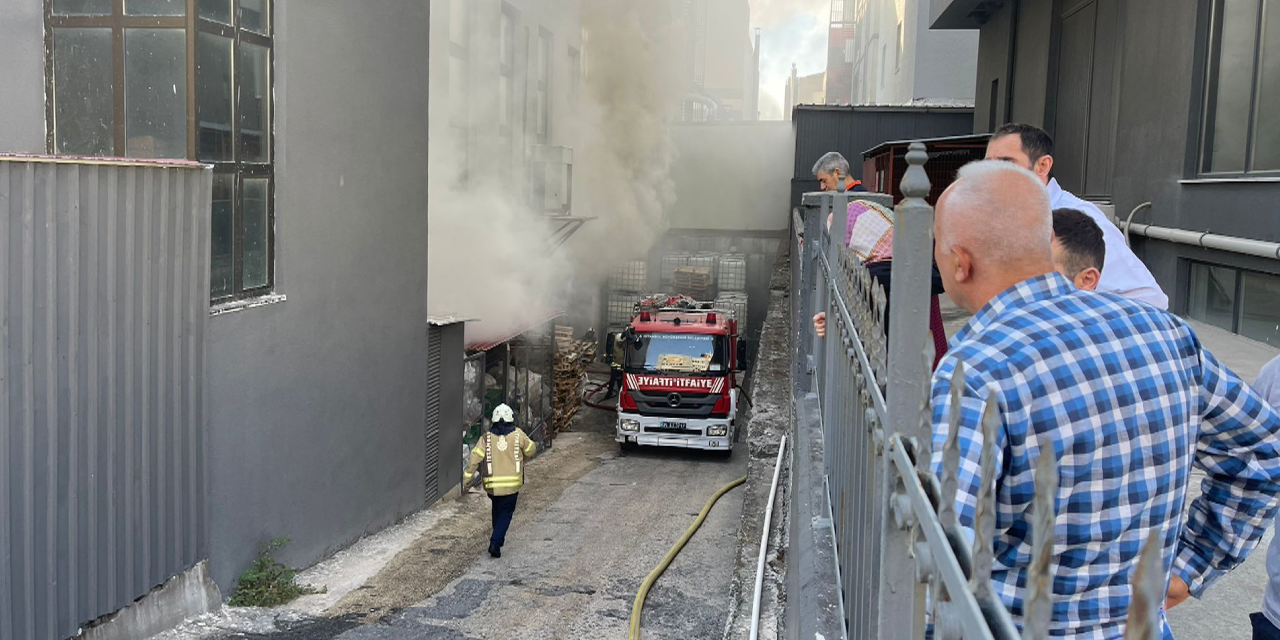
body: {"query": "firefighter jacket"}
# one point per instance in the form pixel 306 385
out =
pixel 500 456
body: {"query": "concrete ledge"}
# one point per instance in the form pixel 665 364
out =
pixel 189 594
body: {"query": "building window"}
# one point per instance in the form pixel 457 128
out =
pixel 507 67
pixel 1242 124
pixel 159 79
pixel 575 77
pixel 542 117
pixel 459 98
pixel 897 48
pixel 1243 302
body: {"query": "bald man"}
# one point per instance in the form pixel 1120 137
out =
pixel 1122 394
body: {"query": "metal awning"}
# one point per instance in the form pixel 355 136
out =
pixel 489 344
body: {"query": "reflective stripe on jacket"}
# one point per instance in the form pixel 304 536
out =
pixel 500 459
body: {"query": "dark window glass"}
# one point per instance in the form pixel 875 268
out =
pixel 255 103
pixel 253 15
pixel 213 97
pixel 222 269
pixel 1235 84
pixel 1213 295
pixel 1260 307
pixel 83 113
pixel 216 10
pixel 155 97
pixel 81 7
pixel 256 234
pixel 155 7
pixel 1266 141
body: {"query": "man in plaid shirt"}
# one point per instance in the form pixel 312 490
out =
pixel 1121 393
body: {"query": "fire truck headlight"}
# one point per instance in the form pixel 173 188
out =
pixel 629 425
pixel 718 431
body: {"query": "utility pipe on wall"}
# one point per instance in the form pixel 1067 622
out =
pixel 1201 239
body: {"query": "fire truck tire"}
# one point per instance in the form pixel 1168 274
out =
pixel 628 447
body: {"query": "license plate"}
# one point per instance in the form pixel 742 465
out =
pixel 674 425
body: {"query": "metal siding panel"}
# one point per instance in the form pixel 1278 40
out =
pixel 431 459
pixel 451 391
pixel 6 516
pixel 97 506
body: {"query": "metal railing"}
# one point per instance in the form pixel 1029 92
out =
pixel 888 539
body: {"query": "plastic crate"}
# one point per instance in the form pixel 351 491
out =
pixel 732 274
pixel 632 276
pixel 619 309
pixel 733 303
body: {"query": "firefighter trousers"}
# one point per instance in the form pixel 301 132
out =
pixel 504 507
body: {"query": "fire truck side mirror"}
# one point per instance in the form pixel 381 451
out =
pixel 743 365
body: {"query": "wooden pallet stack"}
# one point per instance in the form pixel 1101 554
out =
pixel 694 282
pixel 572 357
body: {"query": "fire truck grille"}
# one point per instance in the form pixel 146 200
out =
pixel 687 405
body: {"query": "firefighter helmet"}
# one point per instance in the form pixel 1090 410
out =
pixel 503 413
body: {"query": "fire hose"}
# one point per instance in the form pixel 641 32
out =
pixel 638 606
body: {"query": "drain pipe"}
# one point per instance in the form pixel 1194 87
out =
pixel 1204 239
pixel 764 542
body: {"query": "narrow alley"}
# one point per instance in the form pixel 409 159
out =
pixel 590 526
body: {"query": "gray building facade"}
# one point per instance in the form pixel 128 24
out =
pixel 1168 103
pixel 314 383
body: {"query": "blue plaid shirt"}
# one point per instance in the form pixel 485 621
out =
pixel 1128 400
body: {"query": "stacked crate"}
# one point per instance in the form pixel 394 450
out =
pixel 731 275
pixel 733 304
pixel 626 286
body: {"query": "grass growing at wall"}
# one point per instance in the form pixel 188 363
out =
pixel 268 583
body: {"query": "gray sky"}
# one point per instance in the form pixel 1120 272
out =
pixel 791 31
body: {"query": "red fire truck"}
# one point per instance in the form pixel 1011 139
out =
pixel 680 376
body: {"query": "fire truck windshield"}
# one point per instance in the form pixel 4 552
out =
pixel 677 353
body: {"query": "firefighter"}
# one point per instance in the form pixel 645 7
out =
pixel 615 356
pixel 500 456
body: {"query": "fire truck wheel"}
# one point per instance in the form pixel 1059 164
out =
pixel 628 447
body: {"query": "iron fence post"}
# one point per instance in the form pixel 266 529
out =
pixel 902 597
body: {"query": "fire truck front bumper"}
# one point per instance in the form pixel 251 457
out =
pixel 714 434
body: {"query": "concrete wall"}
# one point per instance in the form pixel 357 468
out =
pixel 317 403
pixel 942 62
pixel 1163 57
pixel 22 100
pixel 733 176
pixel 1158 145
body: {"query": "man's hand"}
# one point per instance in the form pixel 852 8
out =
pixel 1178 593
pixel 820 324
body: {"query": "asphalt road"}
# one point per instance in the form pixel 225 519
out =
pixel 574 569
pixel 579 548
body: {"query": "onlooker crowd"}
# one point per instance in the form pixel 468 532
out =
pixel 1071 339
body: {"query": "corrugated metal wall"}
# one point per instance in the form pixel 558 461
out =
pixel 852 130
pixel 105 291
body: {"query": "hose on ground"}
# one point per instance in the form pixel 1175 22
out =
pixel 592 393
pixel 652 578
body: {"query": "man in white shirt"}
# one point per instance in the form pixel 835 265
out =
pixel 1266 625
pixel 1123 274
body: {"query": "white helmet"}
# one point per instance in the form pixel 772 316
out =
pixel 503 413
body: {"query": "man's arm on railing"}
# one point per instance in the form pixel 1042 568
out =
pixel 1239 450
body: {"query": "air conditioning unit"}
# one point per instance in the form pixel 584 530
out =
pixel 551 179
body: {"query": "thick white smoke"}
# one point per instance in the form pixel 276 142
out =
pixel 489 253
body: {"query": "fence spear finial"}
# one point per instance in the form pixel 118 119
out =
pixel 1039 608
pixel 1148 588
pixel 984 519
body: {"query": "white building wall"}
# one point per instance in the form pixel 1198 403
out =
pixel 899 60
